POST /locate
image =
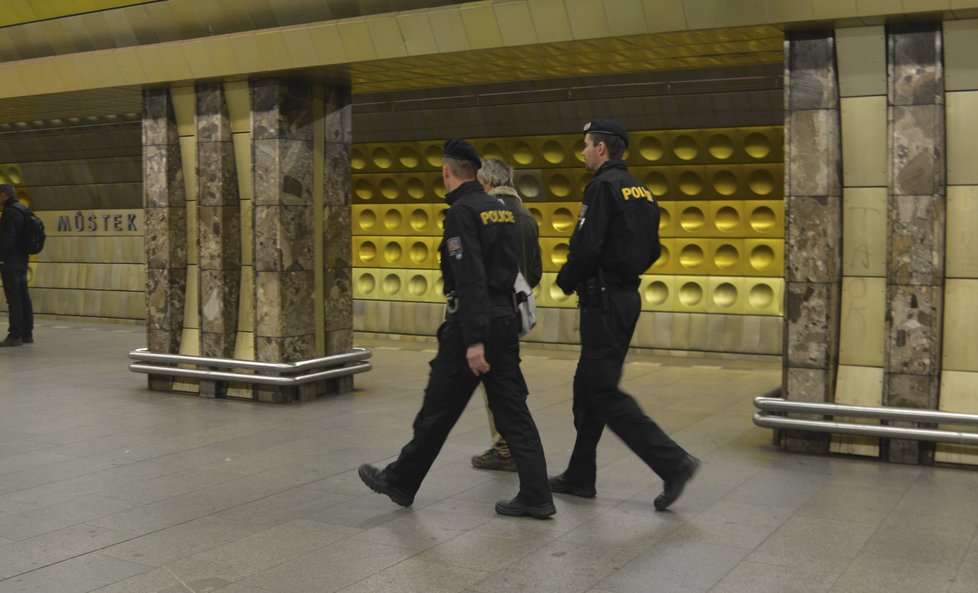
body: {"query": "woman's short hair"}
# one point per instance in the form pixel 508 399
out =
pixel 496 173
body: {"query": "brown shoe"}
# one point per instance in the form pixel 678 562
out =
pixel 491 459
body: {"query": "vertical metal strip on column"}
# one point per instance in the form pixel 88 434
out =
pixel 813 238
pixel 917 219
pixel 166 223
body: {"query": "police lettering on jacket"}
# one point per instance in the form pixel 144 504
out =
pixel 491 216
pixel 637 192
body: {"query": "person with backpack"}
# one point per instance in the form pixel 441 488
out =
pixel 13 268
pixel 616 239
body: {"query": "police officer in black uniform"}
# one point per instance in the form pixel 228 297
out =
pixel 477 342
pixel 616 240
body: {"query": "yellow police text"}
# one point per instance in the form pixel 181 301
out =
pixel 493 216
pixel 637 192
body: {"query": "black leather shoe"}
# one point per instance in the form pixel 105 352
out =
pixel 377 481
pixel 518 508
pixel 28 339
pixel 9 342
pixel 674 488
pixel 561 485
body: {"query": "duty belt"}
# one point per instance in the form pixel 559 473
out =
pixel 495 300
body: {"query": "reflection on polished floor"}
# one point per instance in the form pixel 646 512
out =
pixel 105 486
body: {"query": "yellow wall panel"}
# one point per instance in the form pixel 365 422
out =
pixel 861 61
pixel 727 218
pixel 301 48
pixel 726 295
pixel 692 294
pixel 658 292
pixel 550 20
pixel 763 296
pixel 666 264
pixel 727 257
pixel 960 49
pixel 549 294
pixel 864 231
pixel 625 17
pixel 553 253
pixel 864 141
pixel 648 148
pixel 764 257
pixel 692 256
pixel 763 218
pixel 764 182
pixel 691 219
pixel 667 218
pixel 962 240
pixel 727 182
pixel 863 328
pixel 962 129
pixel 555 219
pixel 960 347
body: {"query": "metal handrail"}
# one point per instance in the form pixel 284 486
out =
pixel 341 365
pixel 766 405
pixel 144 355
pixel 360 367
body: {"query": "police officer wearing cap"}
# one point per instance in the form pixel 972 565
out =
pixel 616 240
pixel 477 342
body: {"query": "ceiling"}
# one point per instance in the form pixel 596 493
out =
pixel 506 68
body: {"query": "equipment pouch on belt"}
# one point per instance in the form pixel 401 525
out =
pixel 525 305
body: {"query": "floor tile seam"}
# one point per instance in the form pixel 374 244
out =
pixel 97 551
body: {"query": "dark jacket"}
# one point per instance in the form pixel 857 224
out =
pixel 12 253
pixel 529 232
pixel 617 231
pixel 478 257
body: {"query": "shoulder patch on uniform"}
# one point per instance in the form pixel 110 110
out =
pixel 581 216
pixel 454 245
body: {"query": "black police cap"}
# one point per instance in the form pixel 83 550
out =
pixel 457 148
pixel 606 126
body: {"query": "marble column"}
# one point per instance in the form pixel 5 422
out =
pixel 282 150
pixel 813 234
pixel 337 229
pixel 166 228
pixel 218 231
pixel 916 212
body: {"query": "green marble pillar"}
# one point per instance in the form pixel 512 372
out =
pixel 166 228
pixel 218 231
pixel 282 152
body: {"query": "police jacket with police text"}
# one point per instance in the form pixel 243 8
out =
pixel 478 257
pixel 617 231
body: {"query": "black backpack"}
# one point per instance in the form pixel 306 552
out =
pixel 32 234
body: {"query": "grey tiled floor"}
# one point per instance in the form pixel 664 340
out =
pixel 105 486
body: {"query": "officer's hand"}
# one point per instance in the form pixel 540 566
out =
pixel 476 355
